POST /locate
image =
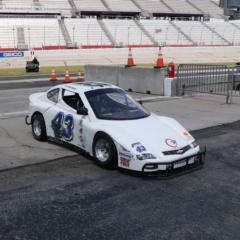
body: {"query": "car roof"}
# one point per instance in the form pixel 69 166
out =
pixel 86 86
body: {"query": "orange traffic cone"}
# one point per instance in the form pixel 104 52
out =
pixel 67 77
pixel 53 76
pixel 130 62
pixel 80 78
pixel 159 63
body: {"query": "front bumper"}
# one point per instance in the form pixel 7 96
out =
pixel 182 164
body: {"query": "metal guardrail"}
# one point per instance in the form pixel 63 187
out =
pixel 212 79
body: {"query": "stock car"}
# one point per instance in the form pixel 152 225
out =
pixel 104 121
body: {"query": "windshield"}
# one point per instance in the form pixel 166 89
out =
pixel 114 104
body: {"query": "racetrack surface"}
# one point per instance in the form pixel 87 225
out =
pixel 74 199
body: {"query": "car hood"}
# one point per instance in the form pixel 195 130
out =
pixel 155 133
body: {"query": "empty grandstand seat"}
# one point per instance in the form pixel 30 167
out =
pixel 209 7
pixel 93 5
pixel 164 33
pixel 126 32
pixel 122 5
pixel 86 32
pixel 182 6
pixel 153 6
pixel 38 32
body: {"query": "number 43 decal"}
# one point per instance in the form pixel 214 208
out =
pixel 63 126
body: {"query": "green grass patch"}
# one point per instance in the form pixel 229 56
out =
pixel 72 69
pixel 43 70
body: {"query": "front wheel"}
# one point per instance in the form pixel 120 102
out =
pixel 39 127
pixel 104 151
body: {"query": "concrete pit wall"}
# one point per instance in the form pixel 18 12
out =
pixel 141 80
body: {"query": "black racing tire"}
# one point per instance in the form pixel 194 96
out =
pixel 110 161
pixel 39 127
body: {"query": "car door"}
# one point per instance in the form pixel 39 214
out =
pixel 64 122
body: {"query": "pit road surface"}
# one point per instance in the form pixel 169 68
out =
pixel 74 199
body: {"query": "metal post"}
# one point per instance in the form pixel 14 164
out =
pixel 128 34
pixel 166 35
pixel 59 37
pixel 212 36
pixel 73 34
pixel 101 38
pixel 29 41
pixel 191 31
pixel 14 44
pixel 115 33
pixel 201 36
pixel 141 38
pixel 87 33
pixel 44 35
pixel 233 41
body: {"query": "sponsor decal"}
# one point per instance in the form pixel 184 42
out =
pixel 11 54
pixel 124 162
pixel 171 143
pixel 81 133
pixel 139 147
pixel 63 126
pixel 126 155
pixel 186 134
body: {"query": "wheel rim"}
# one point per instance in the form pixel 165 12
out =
pixel 37 127
pixel 102 150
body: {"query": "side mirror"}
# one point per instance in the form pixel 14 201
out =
pixel 82 111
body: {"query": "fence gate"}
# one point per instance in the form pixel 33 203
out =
pixel 202 78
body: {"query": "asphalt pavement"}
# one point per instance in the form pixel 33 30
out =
pixel 73 199
pixel 51 192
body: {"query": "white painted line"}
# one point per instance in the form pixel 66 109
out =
pixel 22 90
pixel 156 99
pixel 25 80
pixel 13 114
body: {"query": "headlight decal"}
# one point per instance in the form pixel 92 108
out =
pixel 145 156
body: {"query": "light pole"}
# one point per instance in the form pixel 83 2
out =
pixel 73 34
pixel 128 34
pixel 212 36
pixel 59 37
pixel 233 41
pixel 101 38
pixel 166 35
pixel 141 38
pixel 44 35
pixel 115 33
pixel 178 37
pixel 201 36
pixel 87 33
pixel 14 44
pixel 191 31
pixel 157 31
pixel 29 41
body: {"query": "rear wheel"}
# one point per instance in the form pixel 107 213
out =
pixel 39 127
pixel 104 151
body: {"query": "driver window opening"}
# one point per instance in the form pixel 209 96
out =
pixel 72 99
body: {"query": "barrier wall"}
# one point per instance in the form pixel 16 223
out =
pixel 142 80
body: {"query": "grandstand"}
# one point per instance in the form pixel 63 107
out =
pixel 59 24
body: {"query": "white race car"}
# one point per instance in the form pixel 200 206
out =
pixel 104 121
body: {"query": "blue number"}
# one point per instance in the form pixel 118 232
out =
pixel 68 130
pixel 57 124
pixel 63 126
